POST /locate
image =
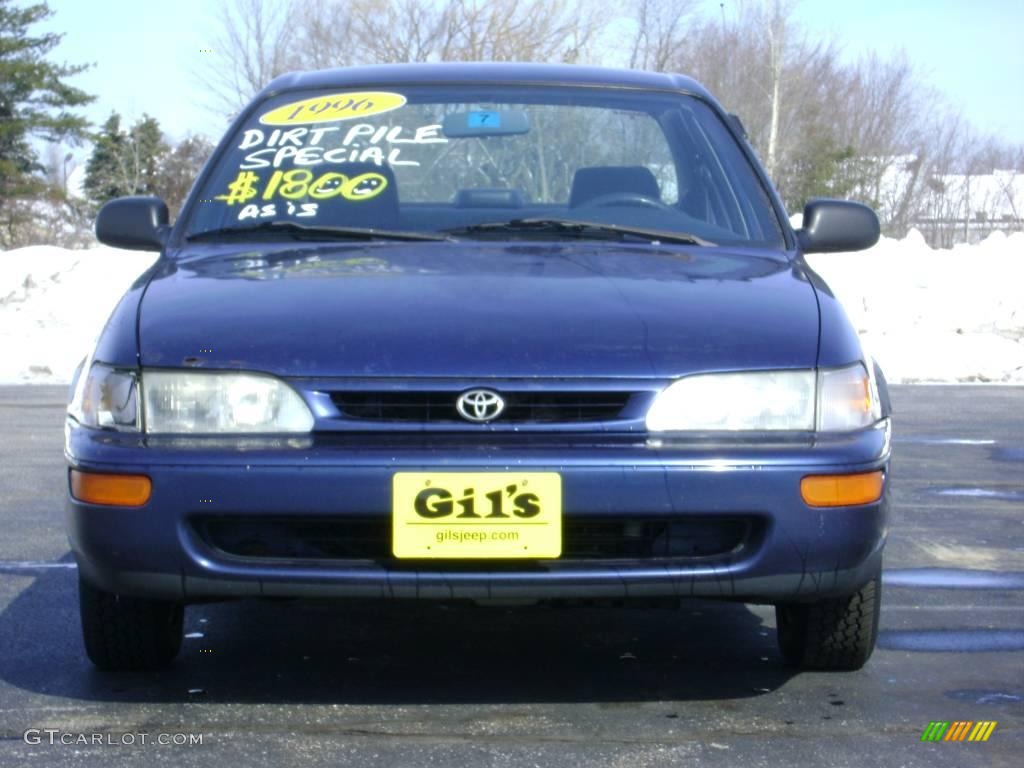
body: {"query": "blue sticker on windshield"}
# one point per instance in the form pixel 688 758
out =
pixel 483 120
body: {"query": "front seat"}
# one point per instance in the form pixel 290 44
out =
pixel 598 180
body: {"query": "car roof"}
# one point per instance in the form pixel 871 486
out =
pixel 479 72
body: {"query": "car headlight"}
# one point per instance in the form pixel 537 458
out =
pixel 770 400
pixel 107 398
pixel 847 399
pixel 826 400
pixel 191 402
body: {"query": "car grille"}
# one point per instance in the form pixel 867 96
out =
pixel 520 407
pixel 583 538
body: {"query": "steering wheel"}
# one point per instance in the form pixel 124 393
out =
pixel 634 199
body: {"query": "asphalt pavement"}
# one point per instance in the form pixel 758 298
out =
pixel 367 685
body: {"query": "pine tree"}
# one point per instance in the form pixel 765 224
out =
pixel 35 102
pixel 147 156
pixel 125 162
pixel 104 171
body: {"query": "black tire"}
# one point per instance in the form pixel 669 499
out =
pixel 835 634
pixel 123 633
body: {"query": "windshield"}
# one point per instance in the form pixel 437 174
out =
pixel 447 159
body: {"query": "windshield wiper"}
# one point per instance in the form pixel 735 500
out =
pixel 576 228
pixel 317 232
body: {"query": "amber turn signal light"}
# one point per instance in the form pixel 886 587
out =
pixel 842 490
pixel 111 490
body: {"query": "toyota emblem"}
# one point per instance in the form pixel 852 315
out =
pixel 480 405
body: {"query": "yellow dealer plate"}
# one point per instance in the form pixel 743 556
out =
pixel 466 515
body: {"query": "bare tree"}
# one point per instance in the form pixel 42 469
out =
pixel 524 30
pixel 260 40
pixel 936 202
pixel 254 44
pixel 776 78
pixel 325 32
pixel 179 169
pixel 877 114
pixel 408 31
pixel 659 28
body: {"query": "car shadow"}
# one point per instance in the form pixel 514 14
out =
pixel 403 653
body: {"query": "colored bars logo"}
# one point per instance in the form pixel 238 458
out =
pixel 958 730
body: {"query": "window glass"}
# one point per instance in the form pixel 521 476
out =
pixel 436 158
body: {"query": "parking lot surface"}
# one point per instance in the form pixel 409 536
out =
pixel 449 685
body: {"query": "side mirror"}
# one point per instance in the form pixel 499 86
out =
pixel 138 223
pixel 837 225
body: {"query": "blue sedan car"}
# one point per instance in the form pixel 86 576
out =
pixel 485 333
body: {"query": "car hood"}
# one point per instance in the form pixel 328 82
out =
pixel 478 310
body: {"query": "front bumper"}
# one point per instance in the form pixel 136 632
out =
pixel 799 552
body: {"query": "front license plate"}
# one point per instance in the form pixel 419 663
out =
pixel 464 515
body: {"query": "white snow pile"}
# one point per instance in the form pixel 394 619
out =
pixel 926 315
pixel 53 304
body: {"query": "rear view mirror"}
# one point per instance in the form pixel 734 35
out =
pixel 837 225
pixel 480 123
pixel 138 223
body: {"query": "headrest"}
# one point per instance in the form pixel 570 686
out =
pixel 588 183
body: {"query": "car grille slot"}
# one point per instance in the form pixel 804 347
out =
pixel 583 538
pixel 520 407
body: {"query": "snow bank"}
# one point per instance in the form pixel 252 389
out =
pixel 936 315
pixel 926 315
pixel 53 304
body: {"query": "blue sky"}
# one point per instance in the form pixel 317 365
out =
pixel 147 54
